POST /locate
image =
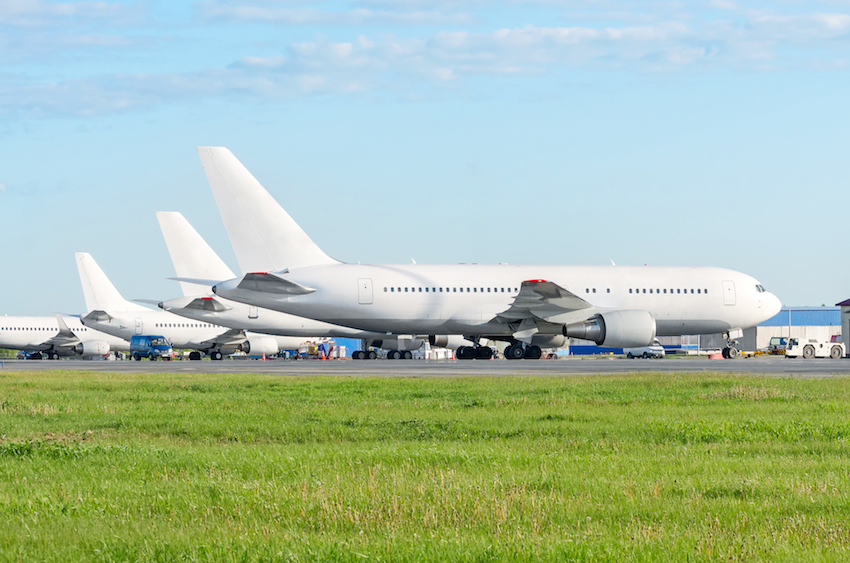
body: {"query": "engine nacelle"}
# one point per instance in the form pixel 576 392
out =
pixel 92 348
pixel 260 347
pixel 452 341
pixel 615 329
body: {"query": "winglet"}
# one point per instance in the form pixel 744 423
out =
pixel 63 326
pixel 263 235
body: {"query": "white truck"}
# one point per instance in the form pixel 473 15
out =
pixel 814 348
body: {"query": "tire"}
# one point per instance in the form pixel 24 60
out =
pixel 407 355
pixel 835 352
pixel 808 352
pixel 732 354
pixel 394 355
pixel 645 356
pixel 373 355
pixel 533 353
pixel 484 353
pixel 630 355
pixel 357 355
pixel 152 357
pixel 514 352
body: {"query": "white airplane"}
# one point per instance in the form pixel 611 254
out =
pixel 109 312
pixel 194 259
pixel 528 306
pixel 56 337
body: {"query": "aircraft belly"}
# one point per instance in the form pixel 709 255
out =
pixel 675 327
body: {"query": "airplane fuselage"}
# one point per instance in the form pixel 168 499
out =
pixel 466 299
pixel 30 333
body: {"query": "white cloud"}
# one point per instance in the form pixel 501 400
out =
pixel 265 13
pixel 2 188
pixel 41 13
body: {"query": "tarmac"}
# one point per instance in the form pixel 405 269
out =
pixel 772 366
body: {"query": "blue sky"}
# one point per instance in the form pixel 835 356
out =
pixel 550 132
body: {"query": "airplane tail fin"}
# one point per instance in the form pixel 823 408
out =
pixel 99 292
pixel 191 255
pixel 264 237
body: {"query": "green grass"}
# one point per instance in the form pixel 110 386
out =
pixel 147 467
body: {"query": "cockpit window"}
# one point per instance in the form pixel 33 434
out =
pixel 760 288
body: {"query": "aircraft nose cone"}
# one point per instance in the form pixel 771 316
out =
pixel 772 304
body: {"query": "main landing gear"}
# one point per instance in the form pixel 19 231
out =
pixel 516 351
pixel 474 353
pixel 399 355
pixel 364 355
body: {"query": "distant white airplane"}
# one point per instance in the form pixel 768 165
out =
pixel 528 306
pixel 56 337
pixel 194 259
pixel 109 312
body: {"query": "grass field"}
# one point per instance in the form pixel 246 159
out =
pixel 649 467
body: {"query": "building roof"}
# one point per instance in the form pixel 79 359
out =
pixel 806 316
pixel 845 303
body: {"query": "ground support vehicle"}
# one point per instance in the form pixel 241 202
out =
pixel 814 348
pixel 654 350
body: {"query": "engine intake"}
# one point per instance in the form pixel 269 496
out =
pixel 615 329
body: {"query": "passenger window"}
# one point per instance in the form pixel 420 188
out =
pixel 385 290
pixel 650 290
pixel 587 290
pixel 594 290
pixel 475 289
pixel 692 291
pixel 609 290
pixel 630 290
pixel 392 289
pixel 705 291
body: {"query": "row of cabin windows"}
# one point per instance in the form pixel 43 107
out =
pixel 38 328
pixel 677 291
pixel 185 325
pixel 450 290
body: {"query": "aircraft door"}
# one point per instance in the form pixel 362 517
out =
pixel 253 311
pixel 729 292
pixel 364 291
pixel 139 325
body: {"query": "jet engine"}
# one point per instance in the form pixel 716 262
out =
pixel 260 346
pixel 615 329
pixel 452 341
pixel 92 348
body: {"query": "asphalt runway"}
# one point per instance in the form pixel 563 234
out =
pixel 576 365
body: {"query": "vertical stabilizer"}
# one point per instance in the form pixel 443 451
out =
pixel 100 294
pixel 191 255
pixel 263 235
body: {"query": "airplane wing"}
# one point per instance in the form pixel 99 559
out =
pixel 232 337
pixel 541 302
pixel 64 339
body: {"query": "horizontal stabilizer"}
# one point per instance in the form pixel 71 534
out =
pixel 270 283
pixel 197 281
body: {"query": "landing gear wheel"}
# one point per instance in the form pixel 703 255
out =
pixel 809 352
pixel 195 355
pixel 216 356
pixel 372 355
pixel 484 353
pixel 394 355
pixel 725 353
pixel 465 353
pixel 514 352
pixel 835 352
pixel 357 355
pixel 533 353
pixel 54 356
pixel 407 355
pixel 733 353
